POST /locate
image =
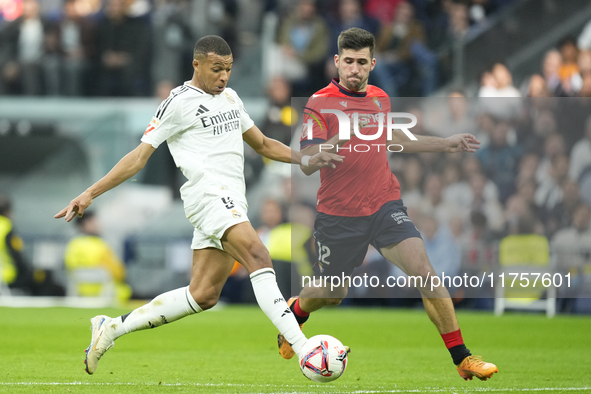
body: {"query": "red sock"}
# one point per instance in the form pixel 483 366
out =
pixel 298 311
pixel 452 339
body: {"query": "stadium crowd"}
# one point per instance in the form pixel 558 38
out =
pixel 142 47
pixel 532 174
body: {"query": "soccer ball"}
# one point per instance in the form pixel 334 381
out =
pixel 324 358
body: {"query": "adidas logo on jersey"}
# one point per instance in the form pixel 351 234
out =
pixel 201 110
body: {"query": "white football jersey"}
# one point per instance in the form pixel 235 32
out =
pixel 204 135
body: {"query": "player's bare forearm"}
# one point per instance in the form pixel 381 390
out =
pixel 275 150
pixel 127 167
pixel 455 143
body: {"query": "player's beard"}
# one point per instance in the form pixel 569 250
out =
pixel 354 86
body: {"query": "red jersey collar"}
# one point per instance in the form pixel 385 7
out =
pixel 347 92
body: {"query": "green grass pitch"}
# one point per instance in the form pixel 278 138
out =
pixel 233 350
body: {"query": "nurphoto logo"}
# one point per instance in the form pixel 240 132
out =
pixel 380 120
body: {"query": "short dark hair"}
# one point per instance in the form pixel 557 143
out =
pixel 356 39
pixel 211 44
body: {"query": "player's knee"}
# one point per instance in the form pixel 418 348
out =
pixel 205 300
pixel 332 301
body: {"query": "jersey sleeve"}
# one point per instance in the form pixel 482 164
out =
pixel 165 123
pixel 245 121
pixel 314 126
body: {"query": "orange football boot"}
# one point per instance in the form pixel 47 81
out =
pixel 474 366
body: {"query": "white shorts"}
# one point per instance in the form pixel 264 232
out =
pixel 213 216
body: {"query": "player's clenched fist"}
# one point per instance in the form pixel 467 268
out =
pixel 325 159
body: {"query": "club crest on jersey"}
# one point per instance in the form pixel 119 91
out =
pixel 236 214
pixel 230 98
pixel 377 102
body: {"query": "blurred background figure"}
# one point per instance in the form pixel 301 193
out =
pixel 89 252
pixel 303 40
pixel 22 51
pixel 15 270
pixel 173 43
pixel 401 51
pixel 349 14
pixel 440 246
pixel 123 50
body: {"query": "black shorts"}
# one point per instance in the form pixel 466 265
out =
pixel 342 241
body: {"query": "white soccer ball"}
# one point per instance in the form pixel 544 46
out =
pixel 324 358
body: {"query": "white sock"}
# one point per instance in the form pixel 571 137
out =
pixel 273 304
pixel 165 308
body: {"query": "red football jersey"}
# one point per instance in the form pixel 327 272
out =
pixel 363 182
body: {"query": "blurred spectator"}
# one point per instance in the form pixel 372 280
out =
pixel 456 118
pixel 303 38
pixel 22 51
pixel 89 251
pixel 222 19
pixel 123 51
pixel 173 42
pixel 459 20
pixel 498 83
pixel 72 43
pixel 526 189
pixel 491 208
pixel 270 217
pixel 433 203
pixel 477 244
pixel 411 180
pixel 553 147
pixel 500 160
pixel 551 72
pixel 15 270
pixel 584 67
pixel 401 51
pixel 569 52
pixel 457 190
pixel 382 10
pixel 560 216
pixel 543 124
pixel 278 119
pixel 440 246
pixel 537 87
pixel 470 165
pixel 572 245
pixel 580 157
pixel 516 207
pixel 350 14
pixel 527 167
pixel 549 192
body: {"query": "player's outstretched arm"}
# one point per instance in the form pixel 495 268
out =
pixel 456 143
pixel 275 150
pixel 127 167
